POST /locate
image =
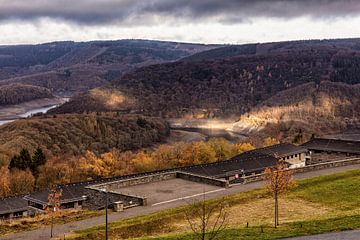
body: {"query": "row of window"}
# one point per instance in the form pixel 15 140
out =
pixel 291 156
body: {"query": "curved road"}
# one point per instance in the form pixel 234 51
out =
pixel 61 230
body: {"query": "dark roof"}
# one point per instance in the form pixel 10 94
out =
pixel 13 204
pixel 280 150
pixel 333 145
pixel 70 193
pixel 247 162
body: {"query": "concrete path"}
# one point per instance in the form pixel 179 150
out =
pixel 61 230
pixel 345 235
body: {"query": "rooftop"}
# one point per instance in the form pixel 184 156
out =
pixel 12 204
pixel 333 145
pixel 247 162
pixel 280 150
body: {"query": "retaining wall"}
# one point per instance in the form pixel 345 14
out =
pixel 115 185
pixel 202 179
pixel 96 199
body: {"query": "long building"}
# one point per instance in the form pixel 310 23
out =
pixel 319 145
pixel 88 194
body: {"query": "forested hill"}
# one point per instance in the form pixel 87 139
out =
pixel 67 68
pixel 225 87
pixel 74 134
pixel 297 113
pixel 19 93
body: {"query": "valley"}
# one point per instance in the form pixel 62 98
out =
pixel 106 109
pixel 179 120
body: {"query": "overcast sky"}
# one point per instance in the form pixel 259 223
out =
pixel 207 21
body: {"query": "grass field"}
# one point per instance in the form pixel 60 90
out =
pixel 318 205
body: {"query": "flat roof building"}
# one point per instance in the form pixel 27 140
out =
pixel 333 145
pixel 13 207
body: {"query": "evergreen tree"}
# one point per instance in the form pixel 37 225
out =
pixel 25 160
pixel 14 162
pixel 38 159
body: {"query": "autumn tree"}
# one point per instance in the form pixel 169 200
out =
pixel 223 148
pixel 15 181
pixel 21 181
pixel 244 147
pixel 143 162
pixel 4 182
pixel 53 206
pixel 57 171
pixel 169 155
pixel 269 141
pixel 207 220
pixel 278 180
pixel 198 153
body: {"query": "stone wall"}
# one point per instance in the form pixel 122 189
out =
pixel 115 185
pixel 340 163
pixel 202 179
pixel 97 199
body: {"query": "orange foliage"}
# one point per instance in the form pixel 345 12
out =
pixel 278 180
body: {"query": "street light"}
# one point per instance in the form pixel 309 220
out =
pixel 106 213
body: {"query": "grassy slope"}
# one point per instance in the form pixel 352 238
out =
pixel 317 205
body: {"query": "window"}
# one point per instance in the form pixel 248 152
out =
pixel 18 214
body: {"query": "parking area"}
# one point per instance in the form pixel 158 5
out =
pixel 169 190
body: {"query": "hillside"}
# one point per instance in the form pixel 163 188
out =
pixel 307 109
pixel 223 52
pixel 67 68
pixel 213 88
pixel 19 93
pixel 74 134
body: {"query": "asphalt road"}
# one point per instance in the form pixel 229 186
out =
pixel 346 235
pixel 61 230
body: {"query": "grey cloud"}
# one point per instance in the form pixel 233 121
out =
pixel 147 11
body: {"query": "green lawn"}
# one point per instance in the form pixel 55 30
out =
pixel 318 205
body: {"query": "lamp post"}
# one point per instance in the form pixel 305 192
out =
pixel 106 213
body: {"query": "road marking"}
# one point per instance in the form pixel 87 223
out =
pixel 187 197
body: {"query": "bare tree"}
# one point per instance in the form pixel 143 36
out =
pixel 207 220
pixel 278 180
pixel 53 206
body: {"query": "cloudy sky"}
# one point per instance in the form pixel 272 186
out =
pixel 208 21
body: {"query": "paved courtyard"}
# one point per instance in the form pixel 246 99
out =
pixel 168 190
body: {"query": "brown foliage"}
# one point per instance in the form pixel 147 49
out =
pixel 58 171
pixel 278 180
pixel 18 93
pixel 15 182
pixel 74 134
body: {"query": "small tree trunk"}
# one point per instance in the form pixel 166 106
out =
pixel 275 207
pixel 277 211
pixel 51 228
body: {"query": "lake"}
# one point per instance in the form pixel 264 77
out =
pixel 30 113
